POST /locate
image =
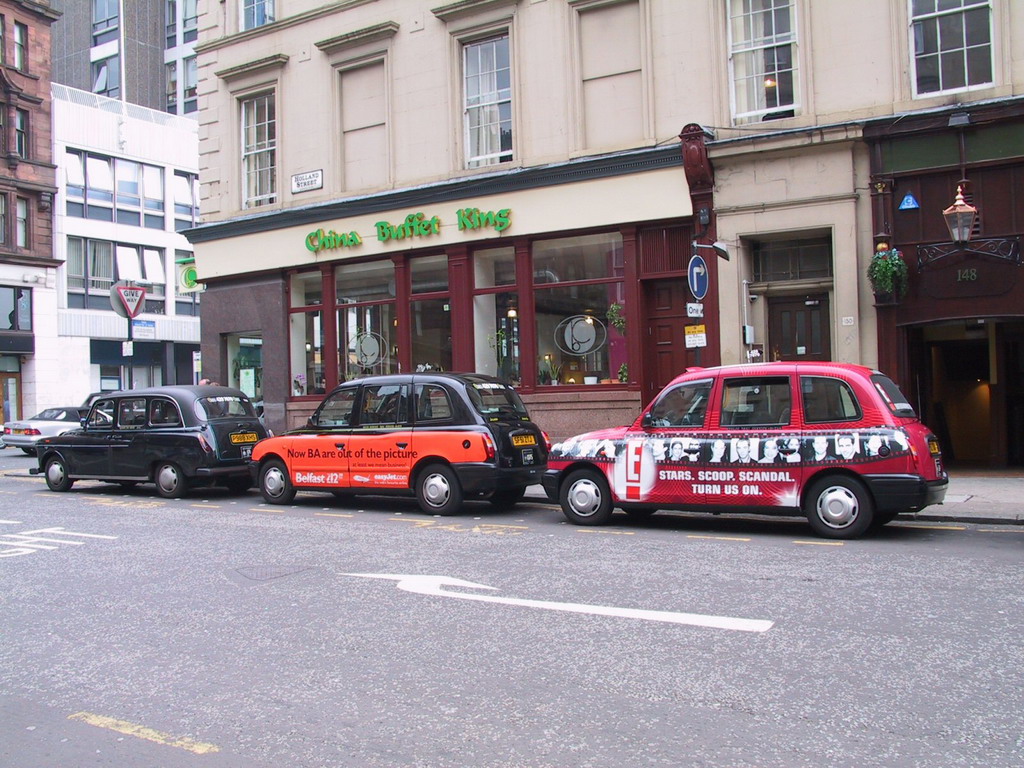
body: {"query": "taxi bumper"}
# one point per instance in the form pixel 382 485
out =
pixel 482 478
pixel 901 493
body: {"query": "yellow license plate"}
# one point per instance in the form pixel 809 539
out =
pixel 933 447
pixel 524 440
pixel 244 437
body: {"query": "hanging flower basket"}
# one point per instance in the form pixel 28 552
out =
pixel 888 274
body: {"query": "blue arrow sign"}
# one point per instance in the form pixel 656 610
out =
pixel 697 276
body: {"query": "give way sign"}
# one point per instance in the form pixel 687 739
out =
pixel 133 298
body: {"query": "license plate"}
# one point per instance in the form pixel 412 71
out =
pixel 246 451
pixel 524 440
pixel 19 431
pixel 528 457
pixel 244 437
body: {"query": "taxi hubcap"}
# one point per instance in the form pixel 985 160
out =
pixel 273 481
pixel 168 478
pixel 55 472
pixel 584 497
pixel 838 506
pixel 436 490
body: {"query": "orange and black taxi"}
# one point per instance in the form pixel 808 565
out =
pixel 837 443
pixel 442 437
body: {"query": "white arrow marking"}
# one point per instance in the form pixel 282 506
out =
pixel 433 585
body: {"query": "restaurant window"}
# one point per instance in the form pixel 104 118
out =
pixel 367 342
pixel 430 314
pixel 576 282
pixel 952 45
pixel 496 314
pixel 306 334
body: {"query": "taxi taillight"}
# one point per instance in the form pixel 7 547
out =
pixel 489 448
pixel 547 441
pixel 205 444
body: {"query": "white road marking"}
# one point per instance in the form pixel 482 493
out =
pixel 434 585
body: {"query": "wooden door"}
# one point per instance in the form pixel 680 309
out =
pixel 666 355
pixel 799 328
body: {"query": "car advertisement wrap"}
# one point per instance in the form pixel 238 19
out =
pixel 755 469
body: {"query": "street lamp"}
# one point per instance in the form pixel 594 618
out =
pixel 960 217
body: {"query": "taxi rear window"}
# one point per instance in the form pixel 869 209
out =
pixel 223 407
pixel 494 400
pixel 894 399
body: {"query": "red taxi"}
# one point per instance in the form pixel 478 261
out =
pixel 441 436
pixel 837 443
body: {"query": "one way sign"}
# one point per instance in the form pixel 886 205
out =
pixel 133 298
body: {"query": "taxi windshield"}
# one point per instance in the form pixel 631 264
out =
pixel 493 400
pixel 223 407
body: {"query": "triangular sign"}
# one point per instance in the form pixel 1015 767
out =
pixel 132 298
pixel 909 203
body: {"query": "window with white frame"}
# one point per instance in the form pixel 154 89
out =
pixel 171 22
pixel 763 59
pixel 186 200
pixel 259 151
pixel 114 189
pixel 191 84
pixel 21 132
pixel 142 265
pixel 256 13
pixel 190 20
pixel 21 223
pixel 952 45
pixel 20 46
pixel 487 101
pixel 171 81
pixel 104 21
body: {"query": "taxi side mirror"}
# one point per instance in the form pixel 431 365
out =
pixel 647 422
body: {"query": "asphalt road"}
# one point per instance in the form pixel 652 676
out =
pixel 218 631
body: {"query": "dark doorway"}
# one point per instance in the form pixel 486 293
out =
pixel 798 328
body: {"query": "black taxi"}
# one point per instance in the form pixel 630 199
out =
pixel 176 437
pixel 441 436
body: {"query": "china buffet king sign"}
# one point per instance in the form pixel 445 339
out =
pixel 415 225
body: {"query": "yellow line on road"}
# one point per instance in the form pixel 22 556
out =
pixel 717 538
pixel 1019 529
pixel 205 506
pixel 330 514
pixel 932 527
pixel 140 731
pixel 821 543
pixel 266 509
pixel 610 533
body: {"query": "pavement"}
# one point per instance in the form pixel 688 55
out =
pixel 982 496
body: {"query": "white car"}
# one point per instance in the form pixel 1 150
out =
pixel 50 422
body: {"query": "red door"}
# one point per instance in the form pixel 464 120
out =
pixel 666 353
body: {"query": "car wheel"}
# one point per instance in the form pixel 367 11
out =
pixel 171 483
pixel 275 484
pixel 438 491
pixel 507 499
pixel 839 507
pixel 57 475
pixel 29 451
pixel 586 498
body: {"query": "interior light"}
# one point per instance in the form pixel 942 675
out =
pixel 769 82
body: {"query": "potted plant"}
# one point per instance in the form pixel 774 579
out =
pixel 624 373
pixel 888 274
pixel 616 318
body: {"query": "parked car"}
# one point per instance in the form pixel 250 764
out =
pixel 441 436
pixel 177 437
pixel 837 443
pixel 26 433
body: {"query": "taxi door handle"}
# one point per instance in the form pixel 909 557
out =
pixel 340 446
pixel 402 445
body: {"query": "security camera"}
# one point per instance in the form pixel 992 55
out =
pixel 754 297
